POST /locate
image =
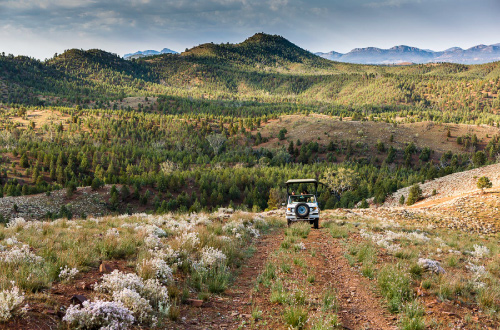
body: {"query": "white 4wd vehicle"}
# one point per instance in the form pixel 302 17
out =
pixel 302 206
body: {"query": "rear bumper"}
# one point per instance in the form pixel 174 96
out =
pixel 310 217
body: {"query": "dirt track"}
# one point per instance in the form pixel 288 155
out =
pixel 358 306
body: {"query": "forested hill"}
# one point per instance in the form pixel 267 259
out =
pixel 263 68
pixel 259 51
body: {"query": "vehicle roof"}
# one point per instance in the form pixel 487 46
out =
pixel 302 181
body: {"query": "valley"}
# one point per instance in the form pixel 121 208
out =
pixel 147 193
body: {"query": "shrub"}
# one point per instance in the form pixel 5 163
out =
pixel 150 289
pixel 155 268
pixel 415 194
pixel 117 281
pixel 395 287
pixel 413 317
pixel 96 184
pixel 484 182
pixel 67 273
pixel 10 301
pixel 339 231
pixel 267 275
pixel 296 317
pixel 329 300
pixel 300 229
pixel 99 314
pixel 133 301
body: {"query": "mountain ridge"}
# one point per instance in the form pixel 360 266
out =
pixel 479 54
pixel 149 52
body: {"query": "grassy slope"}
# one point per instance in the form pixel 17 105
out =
pixel 263 67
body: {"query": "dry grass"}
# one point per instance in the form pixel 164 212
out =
pixel 199 249
pixel 423 134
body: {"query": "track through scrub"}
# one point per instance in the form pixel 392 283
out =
pixel 231 309
pixel 358 307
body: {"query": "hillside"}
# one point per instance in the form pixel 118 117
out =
pixel 147 193
pixel 450 187
pixel 361 269
pixel 165 127
pixel 263 68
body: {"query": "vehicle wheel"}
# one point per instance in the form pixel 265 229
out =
pixel 302 210
pixel 288 222
pixel 316 224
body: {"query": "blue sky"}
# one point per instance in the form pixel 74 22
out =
pixel 40 28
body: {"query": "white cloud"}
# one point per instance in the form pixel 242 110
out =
pixel 391 3
pixel 277 4
pixel 45 4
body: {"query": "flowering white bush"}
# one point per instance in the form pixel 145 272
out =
pixel 386 239
pixel 199 219
pixel 16 223
pixel 224 238
pixel 152 241
pixel 211 256
pixel 162 270
pixel 241 227
pixel 10 301
pixel 156 293
pixel 152 230
pixel 189 240
pixel 11 240
pixel 139 306
pixel 117 281
pixel 392 248
pixel 103 315
pixel 478 273
pixel 67 273
pixel 112 232
pixel 233 227
pixel 480 251
pixel 254 232
pixel 168 254
pixel 299 246
pixel 17 255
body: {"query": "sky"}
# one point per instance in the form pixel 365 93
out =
pixel 41 28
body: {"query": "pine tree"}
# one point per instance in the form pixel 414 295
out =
pixel 290 148
pixel 60 174
pixel 415 194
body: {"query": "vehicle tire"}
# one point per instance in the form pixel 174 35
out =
pixel 316 224
pixel 288 222
pixel 302 210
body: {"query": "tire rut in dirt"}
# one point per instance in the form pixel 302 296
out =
pixel 233 307
pixel 359 306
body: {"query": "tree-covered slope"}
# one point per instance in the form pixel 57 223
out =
pixel 263 68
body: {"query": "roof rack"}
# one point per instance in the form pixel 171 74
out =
pixel 302 181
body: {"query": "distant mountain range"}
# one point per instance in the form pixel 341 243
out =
pixel 144 53
pixel 404 54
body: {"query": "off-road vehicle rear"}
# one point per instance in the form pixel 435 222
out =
pixel 302 206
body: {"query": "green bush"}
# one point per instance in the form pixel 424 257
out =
pixel 413 317
pixel 296 317
pixel 484 182
pixel 415 194
pixel 394 285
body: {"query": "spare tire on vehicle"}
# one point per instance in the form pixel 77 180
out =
pixel 302 210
